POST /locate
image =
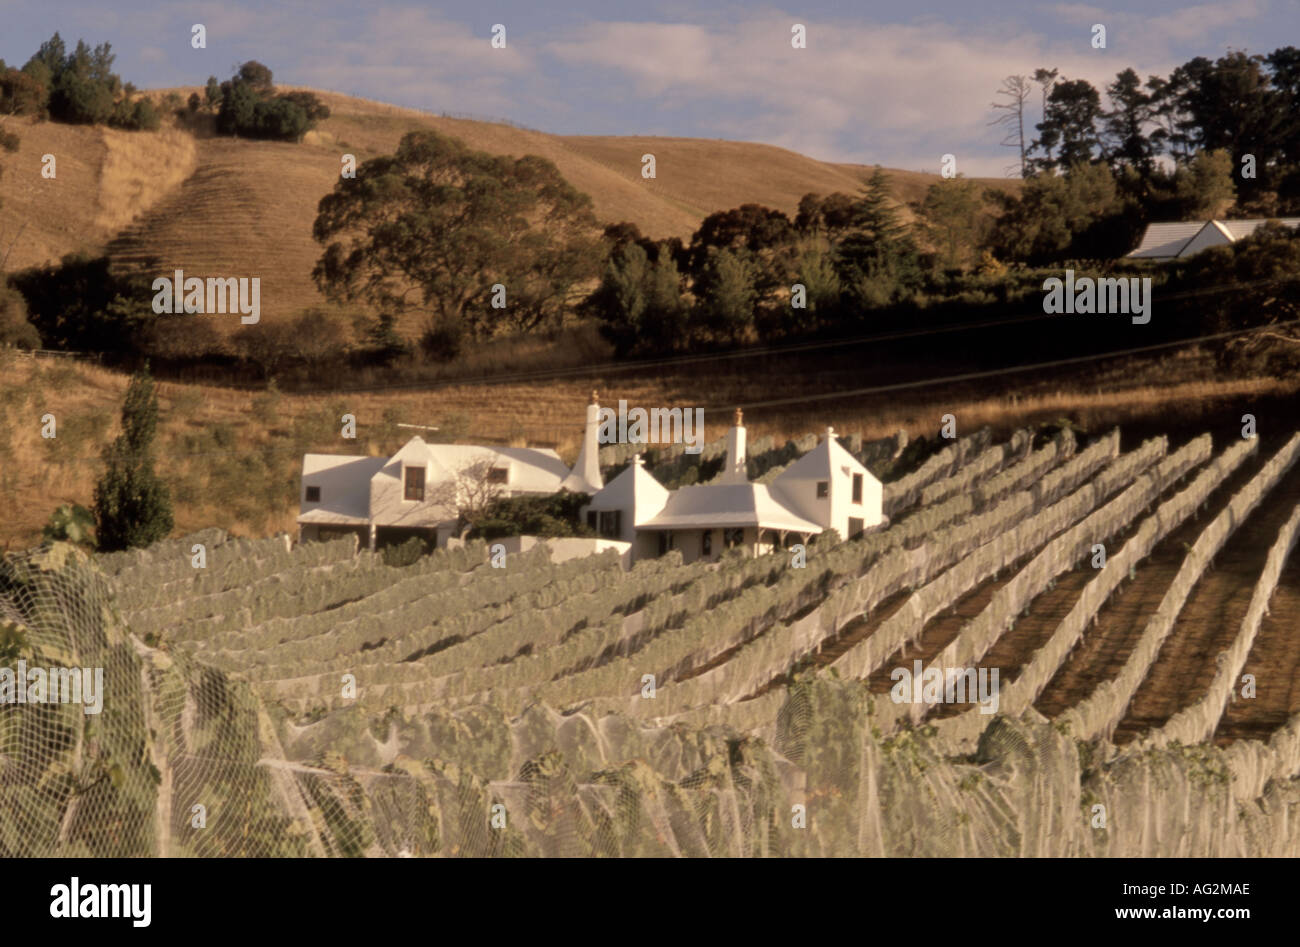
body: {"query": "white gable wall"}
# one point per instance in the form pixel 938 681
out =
pixel 796 486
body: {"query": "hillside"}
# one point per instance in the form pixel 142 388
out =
pixel 208 205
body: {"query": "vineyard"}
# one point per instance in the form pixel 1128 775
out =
pixel 311 700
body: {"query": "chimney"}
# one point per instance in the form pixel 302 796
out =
pixel 734 471
pixel 585 476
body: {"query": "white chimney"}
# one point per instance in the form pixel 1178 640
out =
pixel 734 471
pixel 585 476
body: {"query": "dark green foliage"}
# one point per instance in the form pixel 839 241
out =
pixel 80 305
pixel 132 506
pixel 251 109
pixel 72 524
pixel 78 87
pixel 877 261
pixel 1068 133
pixel 407 553
pixel 436 227
pixel 554 515
pixel 639 303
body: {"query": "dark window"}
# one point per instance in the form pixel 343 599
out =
pixel 733 537
pixel 592 521
pixel 706 543
pixel 823 489
pixel 665 541
pixel 857 488
pixel 498 475
pixel 855 527
pixel 415 483
pixel 313 494
pixel 611 523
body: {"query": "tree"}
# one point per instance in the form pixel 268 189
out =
pixel 470 492
pixel 1011 116
pixel 1069 127
pixel 256 76
pixel 726 292
pixel 250 108
pixel 1046 79
pixel 1124 127
pixel 82 305
pixel 950 212
pixel 436 226
pixel 1078 214
pixel 15 330
pixel 1206 187
pixel 639 302
pixel 212 93
pixel 132 506
pixel 877 258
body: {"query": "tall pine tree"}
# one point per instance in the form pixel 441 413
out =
pixel 132 506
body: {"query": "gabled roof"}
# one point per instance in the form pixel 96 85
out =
pixel 1167 241
pixel 820 462
pixel 532 469
pixel 635 488
pixel 728 505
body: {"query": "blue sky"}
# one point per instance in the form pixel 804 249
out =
pixel 894 83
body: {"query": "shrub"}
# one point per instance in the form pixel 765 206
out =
pixel 407 553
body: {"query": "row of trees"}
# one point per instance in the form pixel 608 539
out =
pixel 754 272
pixel 1245 106
pixel 77 87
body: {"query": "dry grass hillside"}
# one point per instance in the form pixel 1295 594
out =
pixel 103 179
pixel 221 206
pixel 232 458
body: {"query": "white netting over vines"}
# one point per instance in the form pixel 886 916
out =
pixel 313 701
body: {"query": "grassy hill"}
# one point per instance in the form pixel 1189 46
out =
pixel 214 205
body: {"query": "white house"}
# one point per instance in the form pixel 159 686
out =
pixel 1173 241
pixel 826 488
pixel 416 491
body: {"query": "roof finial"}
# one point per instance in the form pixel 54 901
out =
pixel 740 417
pixel 593 397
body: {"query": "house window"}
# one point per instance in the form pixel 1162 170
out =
pixel 855 526
pixel 706 543
pixel 592 521
pixel 665 541
pixel 313 494
pixel 611 523
pixel 857 488
pixel 498 475
pixel 414 483
pixel 823 489
pixel 733 537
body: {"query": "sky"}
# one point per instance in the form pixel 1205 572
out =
pixel 880 82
